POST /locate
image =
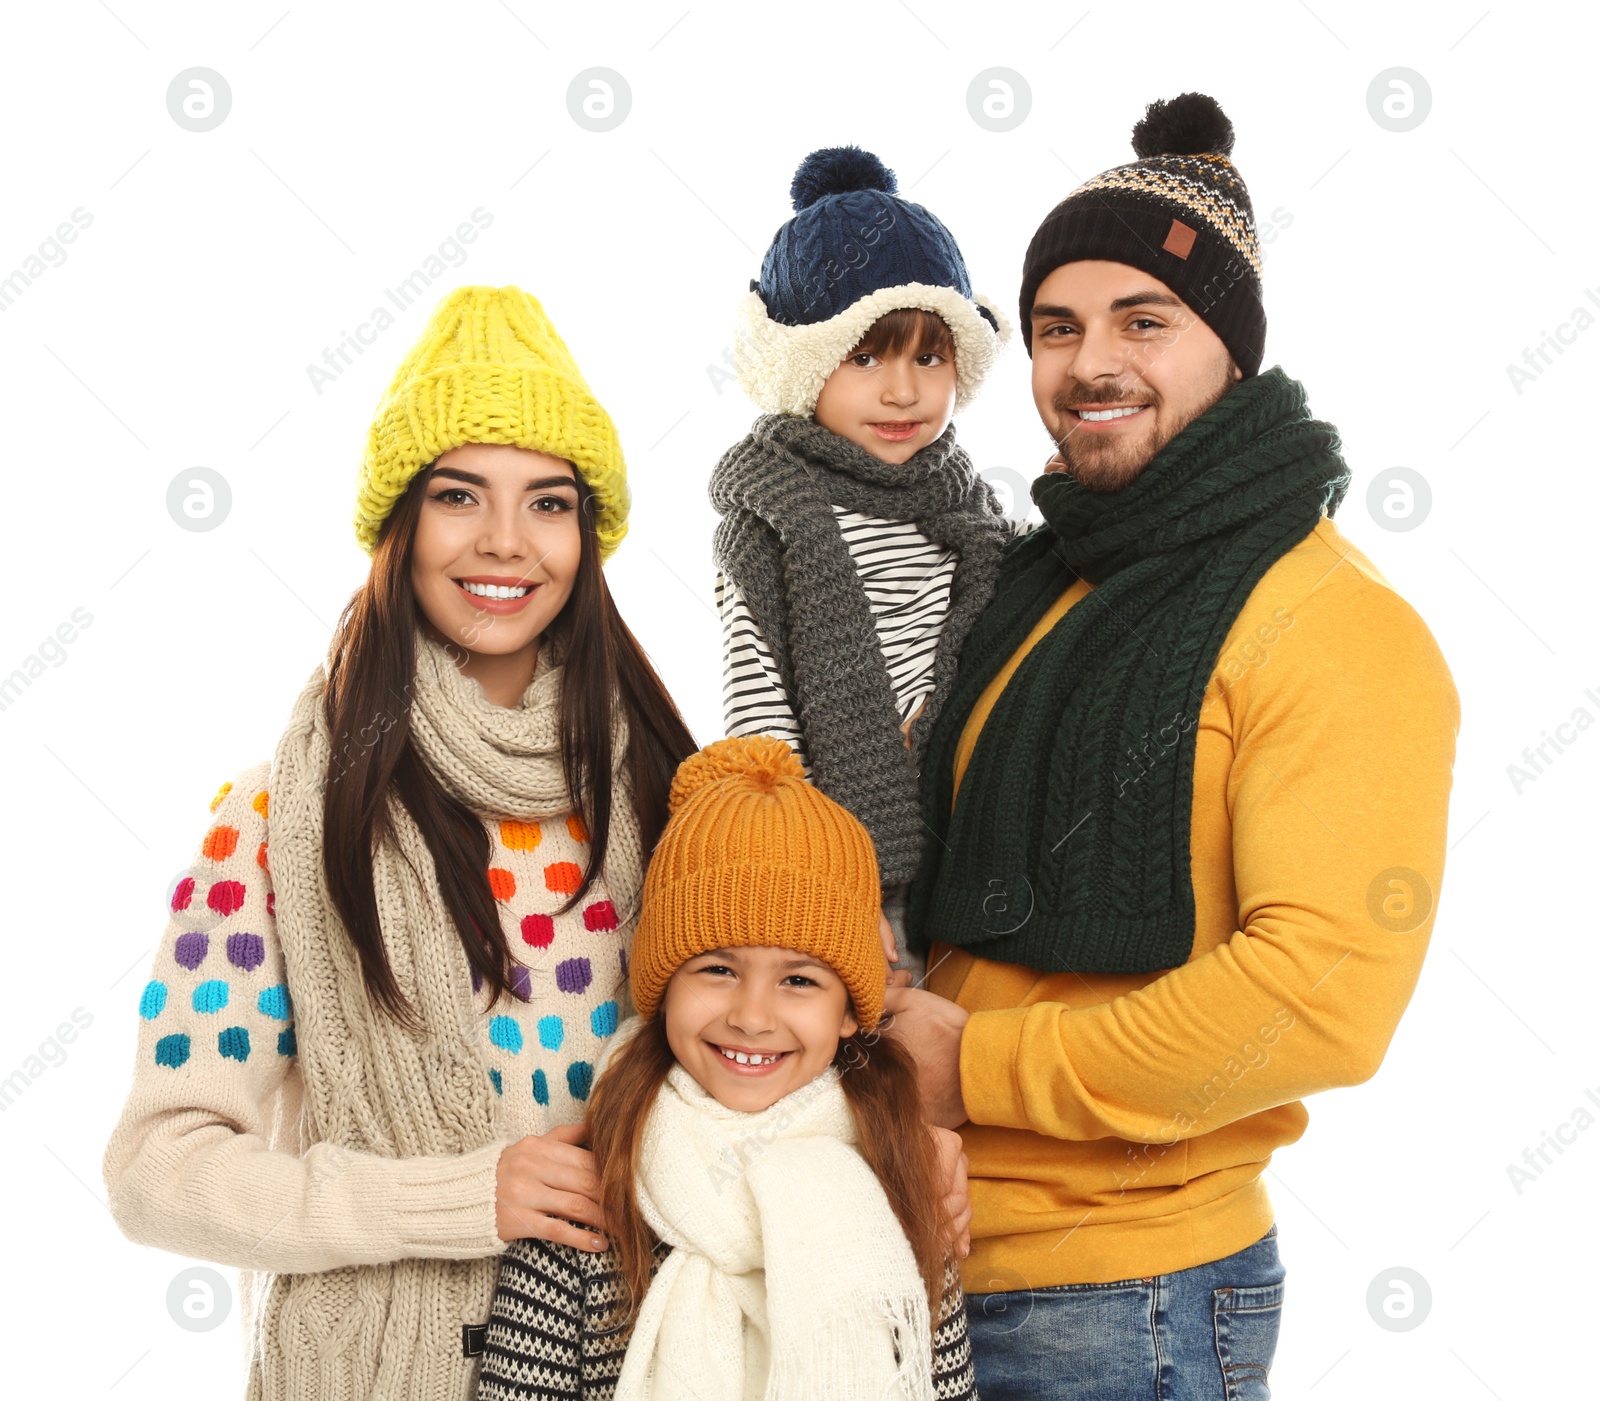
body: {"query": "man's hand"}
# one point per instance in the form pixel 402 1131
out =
pixel 886 933
pixel 957 1203
pixel 930 1028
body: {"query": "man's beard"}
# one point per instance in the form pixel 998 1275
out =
pixel 1105 464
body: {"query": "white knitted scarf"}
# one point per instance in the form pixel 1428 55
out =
pixel 789 1278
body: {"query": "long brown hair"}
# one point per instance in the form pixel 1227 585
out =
pixel 371 669
pixel 880 1082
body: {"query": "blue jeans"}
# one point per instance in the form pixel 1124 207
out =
pixel 1201 1334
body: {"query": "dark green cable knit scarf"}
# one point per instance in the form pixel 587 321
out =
pixel 1068 848
pixel 779 541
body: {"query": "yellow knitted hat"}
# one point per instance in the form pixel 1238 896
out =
pixel 754 855
pixel 490 368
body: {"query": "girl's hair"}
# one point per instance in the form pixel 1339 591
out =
pixel 371 670
pixel 880 1083
pixel 923 332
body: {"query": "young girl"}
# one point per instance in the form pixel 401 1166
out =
pixel 857 545
pixel 369 1034
pixel 770 1187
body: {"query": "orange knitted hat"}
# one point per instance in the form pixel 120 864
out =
pixel 753 855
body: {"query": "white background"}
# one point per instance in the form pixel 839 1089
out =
pixel 1414 267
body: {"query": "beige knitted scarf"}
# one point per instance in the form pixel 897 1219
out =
pixel 372 1086
pixel 789 1277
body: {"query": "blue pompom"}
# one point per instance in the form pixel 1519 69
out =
pixel 837 170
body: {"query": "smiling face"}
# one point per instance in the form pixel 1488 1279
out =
pixel 754 1024
pixel 495 556
pixel 1120 366
pixel 896 391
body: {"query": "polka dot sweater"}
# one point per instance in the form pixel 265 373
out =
pixel 217 1046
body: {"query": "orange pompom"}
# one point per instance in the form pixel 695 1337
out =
pixel 760 760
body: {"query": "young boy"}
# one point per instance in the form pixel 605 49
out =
pixel 857 545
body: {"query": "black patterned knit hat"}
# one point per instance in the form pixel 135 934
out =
pixel 1180 213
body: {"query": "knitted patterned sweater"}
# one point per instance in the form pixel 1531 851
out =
pixel 548 1334
pixel 217 1085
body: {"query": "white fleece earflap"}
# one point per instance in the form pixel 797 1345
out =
pixel 783 368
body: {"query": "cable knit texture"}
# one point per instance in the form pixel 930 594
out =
pixel 350 1165
pixel 490 368
pixel 789 1278
pixel 779 541
pixel 1077 797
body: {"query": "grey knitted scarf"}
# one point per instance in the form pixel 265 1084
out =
pixel 779 541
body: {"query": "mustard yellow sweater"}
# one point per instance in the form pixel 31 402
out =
pixel 1120 1124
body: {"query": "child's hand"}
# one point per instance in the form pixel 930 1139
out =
pixel 886 933
pixel 544 1183
pixel 957 1203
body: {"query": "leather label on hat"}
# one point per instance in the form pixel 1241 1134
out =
pixel 1180 239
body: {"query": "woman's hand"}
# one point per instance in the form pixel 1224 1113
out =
pixel 956 1202
pixel 546 1182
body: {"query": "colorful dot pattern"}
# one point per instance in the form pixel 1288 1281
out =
pixel 218 995
pixel 574 975
pixel 274 1002
pixel 568 975
pixel 211 996
pixel 506 1033
pixel 246 951
pixel 173 1050
pixel 580 1076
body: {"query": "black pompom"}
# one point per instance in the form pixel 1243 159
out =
pixel 836 170
pixel 1190 124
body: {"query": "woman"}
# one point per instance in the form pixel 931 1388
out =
pixel 370 1032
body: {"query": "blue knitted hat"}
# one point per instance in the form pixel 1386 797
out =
pixel 854 252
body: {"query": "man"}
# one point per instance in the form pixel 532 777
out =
pixel 1189 793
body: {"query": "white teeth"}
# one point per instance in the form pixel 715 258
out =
pixel 745 1059
pixel 1101 415
pixel 497 590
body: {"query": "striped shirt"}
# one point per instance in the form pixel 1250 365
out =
pixel 907 579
